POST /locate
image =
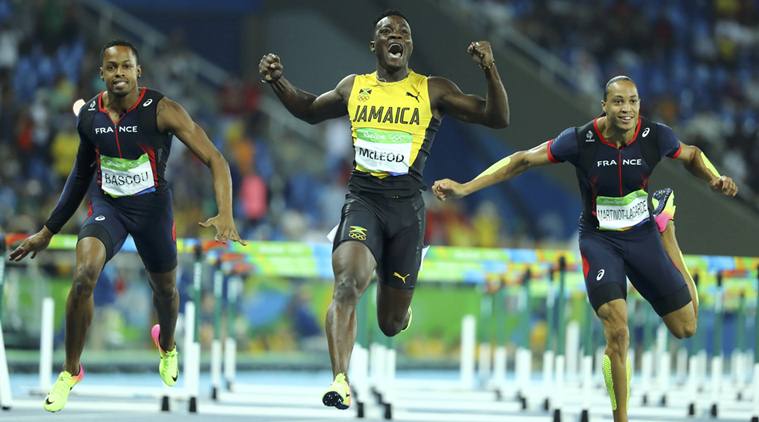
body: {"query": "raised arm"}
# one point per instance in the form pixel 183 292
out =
pixel 172 117
pixel 699 165
pixel 505 169
pixel 304 105
pixel 492 111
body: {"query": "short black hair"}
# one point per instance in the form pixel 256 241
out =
pixel 122 43
pixel 390 12
pixel 615 79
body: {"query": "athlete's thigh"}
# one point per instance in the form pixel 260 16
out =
pixel 393 302
pixel 152 228
pixel 359 223
pixel 403 248
pixel 103 223
pixel 91 257
pixel 353 262
pixel 653 274
pixel 603 269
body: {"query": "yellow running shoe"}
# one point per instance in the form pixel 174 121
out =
pixel 59 394
pixel 168 369
pixel 338 394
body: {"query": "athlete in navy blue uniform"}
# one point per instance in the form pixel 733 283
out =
pixel 614 155
pixel 125 135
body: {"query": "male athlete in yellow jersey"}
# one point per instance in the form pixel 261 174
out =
pixel 394 114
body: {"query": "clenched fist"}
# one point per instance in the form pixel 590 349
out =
pixel 726 185
pixel 270 68
pixel 481 53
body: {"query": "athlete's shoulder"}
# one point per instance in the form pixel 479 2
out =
pixel 90 106
pixel 659 126
pixel 165 104
pixel 591 125
pixel 345 86
pixel 415 77
pixel 86 115
pixel 440 82
pixel 151 95
pixel 440 87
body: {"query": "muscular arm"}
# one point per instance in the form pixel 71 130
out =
pixel 75 188
pixel 505 169
pixel 310 108
pixel 492 111
pixel 699 165
pixel 304 105
pixel 172 117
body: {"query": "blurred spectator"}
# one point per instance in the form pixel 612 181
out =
pixel 694 62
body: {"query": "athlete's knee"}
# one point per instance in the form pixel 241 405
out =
pixel 684 330
pixel 346 289
pixel 85 277
pixel 164 285
pixel 391 326
pixel 166 292
pixel 618 339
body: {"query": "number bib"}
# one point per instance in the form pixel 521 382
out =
pixel 622 213
pixel 379 150
pixel 123 177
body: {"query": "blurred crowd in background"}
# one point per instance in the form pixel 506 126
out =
pixel 694 62
pixel 697 77
pixel 288 188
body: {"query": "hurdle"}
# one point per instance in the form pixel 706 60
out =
pixel 6 398
pixel 190 363
pixel 228 272
pixel 755 417
pixel 523 354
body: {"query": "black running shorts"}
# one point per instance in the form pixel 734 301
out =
pixel 638 253
pixel 393 230
pixel 147 217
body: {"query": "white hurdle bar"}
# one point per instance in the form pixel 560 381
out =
pixel 216 350
pixel 755 417
pixel 6 399
pixel 191 367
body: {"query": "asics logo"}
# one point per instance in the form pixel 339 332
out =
pixel 402 277
pixel 100 218
pixel 645 132
pixel 600 275
pixel 148 102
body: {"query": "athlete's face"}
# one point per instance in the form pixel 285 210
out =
pixel 622 105
pixel 120 70
pixel 392 42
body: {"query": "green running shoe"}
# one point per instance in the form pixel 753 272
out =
pixel 168 369
pixel 59 394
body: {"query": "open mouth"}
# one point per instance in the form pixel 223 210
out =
pixel 395 50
